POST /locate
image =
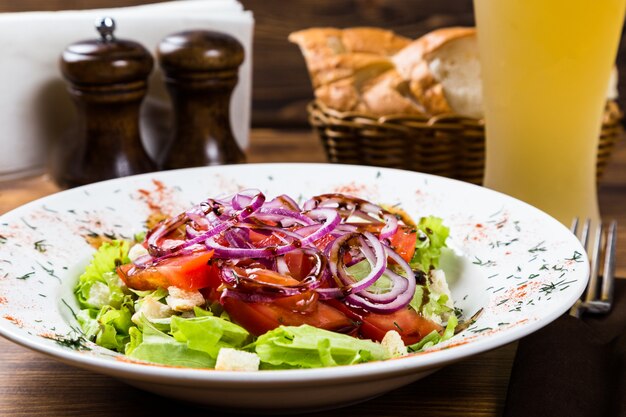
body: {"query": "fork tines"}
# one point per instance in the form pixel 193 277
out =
pixel 598 296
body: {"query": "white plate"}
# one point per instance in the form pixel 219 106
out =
pixel 520 265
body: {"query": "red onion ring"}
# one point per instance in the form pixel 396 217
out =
pixel 390 228
pixel 330 222
pixel 349 285
pixel 246 284
pixel 255 203
pixel 393 302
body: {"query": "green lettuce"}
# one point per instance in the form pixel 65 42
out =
pixel 436 305
pixel 362 268
pixel 193 342
pixel 418 298
pixel 155 296
pixel 208 334
pixel 432 235
pixel 106 308
pixel 434 337
pixel 309 347
pixel 99 285
pixel 155 346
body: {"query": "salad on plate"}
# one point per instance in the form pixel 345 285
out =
pixel 248 283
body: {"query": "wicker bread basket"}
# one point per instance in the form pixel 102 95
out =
pixel 450 146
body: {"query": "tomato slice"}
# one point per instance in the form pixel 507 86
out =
pixel 299 264
pixel 189 272
pixel 262 240
pixel 403 242
pixel 259 318
pixel 411 325
pixel 302 308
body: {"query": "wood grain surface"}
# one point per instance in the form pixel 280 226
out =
pixel 32 384
pixel 281 86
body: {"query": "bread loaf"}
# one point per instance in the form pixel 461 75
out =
pixel 443 71
pixel 376 72
pixel 333 54
pixel 352 69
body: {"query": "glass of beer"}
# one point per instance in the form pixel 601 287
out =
pixel 545 68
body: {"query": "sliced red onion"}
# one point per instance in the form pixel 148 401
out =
pixel 241 200
pixel 279 214
pixel 399 286
pixel 200 221
pixel 237 237
pixel 147 261
pixel 330 293
pixel 337 269
pixel 284 201
pixel 227 252
pixel 343 202
pixel 360 302
pixel 158 233
pixel 331 219
pixel 391 226
pixel 391 301
pixel 143 260
pixel 255 203
pixel 244 283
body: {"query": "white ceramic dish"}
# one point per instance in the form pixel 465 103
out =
pixel 520 265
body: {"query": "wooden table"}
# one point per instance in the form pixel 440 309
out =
pixel 32 384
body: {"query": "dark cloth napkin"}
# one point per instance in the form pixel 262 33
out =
pixel 573 367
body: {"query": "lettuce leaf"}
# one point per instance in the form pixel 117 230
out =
pixel 106 308
pixel 114 327
pixel 309 347
pixel 208 334
pixel 136 337
pixel 418 298
pixel 436 306
pixel 362 268
pixel 434 337
pixel 432 235
pixel 155 346
pixel 99 285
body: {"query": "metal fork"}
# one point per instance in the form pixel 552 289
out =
pixel 598 297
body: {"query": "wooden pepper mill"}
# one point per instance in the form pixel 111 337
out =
pixel 201 71
pixel 107 81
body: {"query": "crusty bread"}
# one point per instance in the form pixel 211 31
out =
pixel 387 94
pixel 332 41
pixel 351 69
pixel 377 96
pixel 377 72
pixel 334 54
pixel 443 71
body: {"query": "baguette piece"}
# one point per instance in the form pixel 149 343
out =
pixel 332 41
pixel 334 54
pixel 351 69
pixel 443 71
pixel 388 94
pixel 382 95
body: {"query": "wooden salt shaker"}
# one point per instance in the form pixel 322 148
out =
pixel 107 81
pixel 201 71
